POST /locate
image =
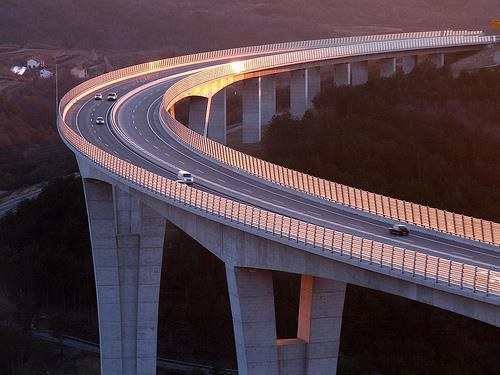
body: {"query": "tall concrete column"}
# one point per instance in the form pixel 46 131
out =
pixel 437 59
pixel 342 74
pixel 198 114
pixel 359 73
pixel 127 247
pixel 408 63
pixel 268 99
pixel 313 83
pixel 298 93
pixel 387 67
pixel 320 321
pixel 217 125
pixel 251 119
pixel 252 307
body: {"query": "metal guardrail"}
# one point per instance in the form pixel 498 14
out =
pixel 397 209
pixel 399 260
pixel 381 255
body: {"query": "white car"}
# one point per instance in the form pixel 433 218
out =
pixel 99 120
pixel 184 177
pixel 98 96
pixel 112 96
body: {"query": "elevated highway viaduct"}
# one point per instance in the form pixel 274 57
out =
pixel 257 217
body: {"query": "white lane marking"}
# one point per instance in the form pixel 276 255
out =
pixel 200 171
pixel 166 154
pixel 147 140
pixel 106 144
pixel 247 190
pixel 100 138
pixel 221 180
pixel 181 162
pixel 155 146
pixel 462 255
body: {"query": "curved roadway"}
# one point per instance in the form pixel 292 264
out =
pixel 143 140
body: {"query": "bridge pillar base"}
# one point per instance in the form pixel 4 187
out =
pixel 387 67
pixel 197 114
pixel 316 348
pixel 251 297
pixel 127 247
pixel 217 126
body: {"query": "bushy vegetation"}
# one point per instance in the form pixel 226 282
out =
pixel 426 137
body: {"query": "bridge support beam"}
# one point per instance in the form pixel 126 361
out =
pixel 268 99
pixel 408 64
pixel 342 74
pixel 252 110
pixel 359 73
pixel 217 126
pixel 387 67
pixel 198 114
pixel 252 307
pixel 127 247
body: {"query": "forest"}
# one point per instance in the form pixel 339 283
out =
pixel 410 136
pixel 426 137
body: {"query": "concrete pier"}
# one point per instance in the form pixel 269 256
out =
pixel 313 82
pixel 408 63
pixel 342 74
pixel 437 60
pixel 198 114
pixel 217 126
pixel 127 248
pixel 298 93
pixel 359 73
pixel 252 306
pixel 251 119
pixel 268 99
pixel 387 67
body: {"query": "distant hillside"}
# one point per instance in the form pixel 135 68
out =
pixel 209 24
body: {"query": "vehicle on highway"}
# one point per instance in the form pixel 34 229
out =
pixel 98 96
pixel 99 120
pixel 184 177
pixel 399 229
pixel 112 96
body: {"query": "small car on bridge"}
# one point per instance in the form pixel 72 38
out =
pixel 399 229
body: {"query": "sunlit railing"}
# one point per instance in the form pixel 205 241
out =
pixel 420 215
pixel 407 263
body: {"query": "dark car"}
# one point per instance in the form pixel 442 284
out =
pixel 112 96
pixel 399 229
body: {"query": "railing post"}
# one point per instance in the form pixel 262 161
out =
pixel 392 258
pixel 437 270
pixel 488 283
pixel 350 251
pixel 314 239
pixel 462 277
pixel 449 273
pixel 341 243
pixel 371 252
pixel 425 266
pixel 474 281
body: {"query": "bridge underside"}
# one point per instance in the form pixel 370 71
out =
pixel 127 231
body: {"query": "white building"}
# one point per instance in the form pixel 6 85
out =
pixel 19 70
pixel 44 73
pixel 33 64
